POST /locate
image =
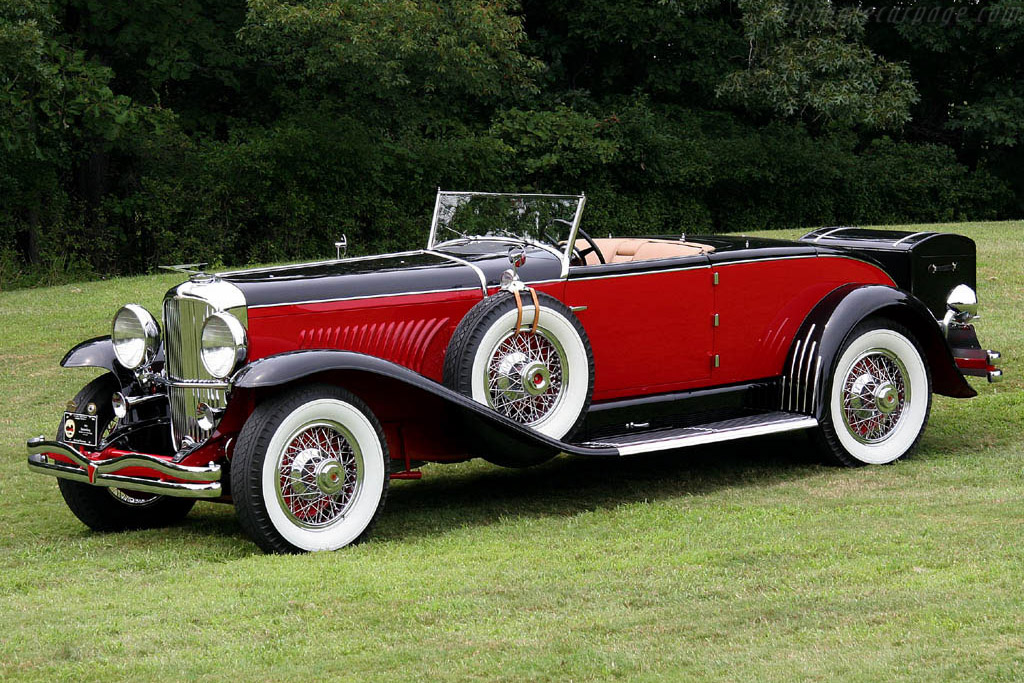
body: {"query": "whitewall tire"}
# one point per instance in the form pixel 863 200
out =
pixel 540 377
pixel 310 471
pixel 879 396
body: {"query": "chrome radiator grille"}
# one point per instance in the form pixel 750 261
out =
pixel 183 326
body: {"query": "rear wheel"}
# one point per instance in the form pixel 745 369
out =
pixel 310 471
pixel 879 396
pixel 110 509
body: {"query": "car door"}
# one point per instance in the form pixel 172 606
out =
pixel 649 323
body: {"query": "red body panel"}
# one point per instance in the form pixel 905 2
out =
pixel 650 332
pixel 762 303
pixel 412 330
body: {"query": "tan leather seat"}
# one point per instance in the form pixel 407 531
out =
pixel 627 249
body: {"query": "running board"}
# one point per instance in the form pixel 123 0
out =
pixel 712 432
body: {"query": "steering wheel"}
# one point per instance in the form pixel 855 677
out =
pixel 592 249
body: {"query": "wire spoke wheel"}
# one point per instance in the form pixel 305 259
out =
pixel 318 474
pixel 310 470
pixel 525 376
pixel 874 395
pixel 879 396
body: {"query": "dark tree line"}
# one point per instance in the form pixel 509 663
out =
pixel 159 131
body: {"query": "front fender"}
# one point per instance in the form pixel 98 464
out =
pixel 821 336
pixel 293 366
pixel 97 353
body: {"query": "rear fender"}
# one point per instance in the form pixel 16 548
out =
pixel 821 336
pixel 294 367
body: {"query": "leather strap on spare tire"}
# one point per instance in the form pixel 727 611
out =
pixel 519 309
pixel 541 377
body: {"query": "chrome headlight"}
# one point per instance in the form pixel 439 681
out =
pixel 136 336
pixel 224 344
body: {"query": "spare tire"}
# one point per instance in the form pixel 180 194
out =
pixel 542 378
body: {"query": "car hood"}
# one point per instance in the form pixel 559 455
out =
pixel 389 275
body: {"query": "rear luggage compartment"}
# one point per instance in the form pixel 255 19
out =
pixel 927 264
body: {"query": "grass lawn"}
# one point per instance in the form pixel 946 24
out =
pixel 743 561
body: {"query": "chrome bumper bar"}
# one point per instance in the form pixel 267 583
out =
pixel 197 482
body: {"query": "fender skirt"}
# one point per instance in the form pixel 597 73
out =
pixel 287 367
pixel 816 346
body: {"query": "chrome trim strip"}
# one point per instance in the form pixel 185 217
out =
pixel 792 373
pixel 829 232
pixel 788 425
pixel 814 390
pixel 307 264
pixel 40 446
pixel 433 220
pixel 573 232
pixel 798 386
pixel 645 272
pixel 722 264
pixel 198 384
pixel 41 465
pixel 808 397
pixel 476 269
pixel 912 236
pixel 359 298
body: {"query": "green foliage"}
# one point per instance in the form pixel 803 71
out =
pixel 138 134
pixel 806 58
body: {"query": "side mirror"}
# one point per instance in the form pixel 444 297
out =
pixel 341 246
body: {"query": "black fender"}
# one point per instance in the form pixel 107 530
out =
pixel 92 353
pixel 97 353
pixel 816 346
pixel 293 366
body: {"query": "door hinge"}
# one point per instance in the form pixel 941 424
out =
pixel 715 322
pixel 716 361
pixel 715 279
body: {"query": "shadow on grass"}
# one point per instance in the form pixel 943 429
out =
pixel 568 486
pixel 478 494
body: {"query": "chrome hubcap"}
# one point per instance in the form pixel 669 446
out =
pixel 525 376
pixel 874 395
pixel 319 474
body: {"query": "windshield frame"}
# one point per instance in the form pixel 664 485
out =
pixel 564 255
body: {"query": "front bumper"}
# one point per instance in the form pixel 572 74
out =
pixel 124 470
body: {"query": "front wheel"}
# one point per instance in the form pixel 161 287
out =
pixel 310 471
pixel 879 397
pixel 111 509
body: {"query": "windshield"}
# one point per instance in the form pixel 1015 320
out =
pixel 545 219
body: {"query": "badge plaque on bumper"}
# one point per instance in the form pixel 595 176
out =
pixel 80 429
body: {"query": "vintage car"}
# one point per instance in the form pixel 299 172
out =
pixel 296 392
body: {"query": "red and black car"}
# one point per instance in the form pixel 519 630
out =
pixel 297 392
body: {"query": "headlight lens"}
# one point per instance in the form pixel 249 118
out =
pixel 136 336
pixel 224 345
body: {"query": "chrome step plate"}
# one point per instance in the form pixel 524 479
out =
pixel 713 432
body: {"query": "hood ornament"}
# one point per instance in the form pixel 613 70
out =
pixel 194 271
